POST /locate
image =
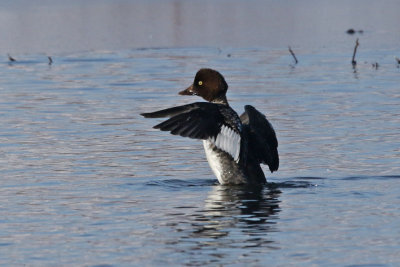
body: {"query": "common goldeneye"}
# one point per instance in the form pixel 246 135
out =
pixel 235 146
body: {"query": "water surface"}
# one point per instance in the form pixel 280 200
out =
pixel 86 181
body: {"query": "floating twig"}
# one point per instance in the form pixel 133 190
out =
pixel 10 58
pixel 293 55
pixel 50 60
pixel 353 61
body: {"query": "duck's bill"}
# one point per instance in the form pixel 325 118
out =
pixel 187 91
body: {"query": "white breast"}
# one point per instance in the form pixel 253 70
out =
pixel 213 160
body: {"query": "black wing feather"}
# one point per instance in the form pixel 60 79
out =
pixel 170 112
pixel 199 120
pixel 262 138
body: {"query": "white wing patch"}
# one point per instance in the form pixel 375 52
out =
pixel 229 141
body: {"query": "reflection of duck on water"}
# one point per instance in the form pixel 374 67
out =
pixel 231 209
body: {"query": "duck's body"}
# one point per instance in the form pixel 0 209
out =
pixel 235 146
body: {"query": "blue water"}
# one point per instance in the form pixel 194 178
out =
pixel 86 181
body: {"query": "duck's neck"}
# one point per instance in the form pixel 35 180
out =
pixel 220 100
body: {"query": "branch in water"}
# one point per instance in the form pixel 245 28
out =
pixel 10 58
pixel 353 61
pixel 294 56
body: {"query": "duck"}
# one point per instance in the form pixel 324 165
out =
pixel 234 145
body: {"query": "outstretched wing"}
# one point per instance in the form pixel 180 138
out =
pixel 203 120
pixel 262 138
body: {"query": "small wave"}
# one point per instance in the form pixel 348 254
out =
pixel 291 184
pixel 23 62
pixel 87 60
pixel 310 178
pixel 380 177
pixel 178 183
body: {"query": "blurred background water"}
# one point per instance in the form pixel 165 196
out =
pixel 86 181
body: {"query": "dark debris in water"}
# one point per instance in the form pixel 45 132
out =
pixel 352 31
pixel 353 60
pixel 10 58
pixel 293 55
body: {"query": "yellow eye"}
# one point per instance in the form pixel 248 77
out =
pixel 200 82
